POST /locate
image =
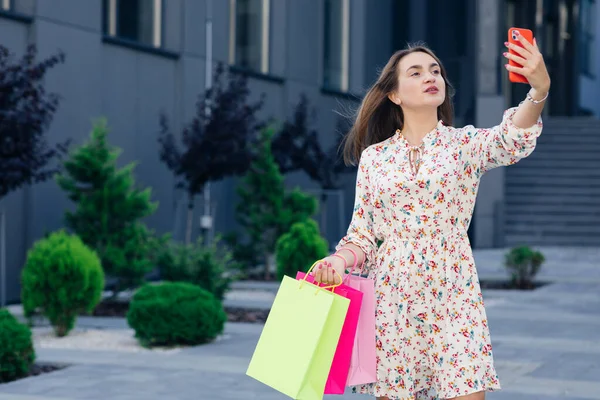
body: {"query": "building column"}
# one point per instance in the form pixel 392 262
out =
pixel 490 104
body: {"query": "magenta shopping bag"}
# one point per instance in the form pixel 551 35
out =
pixel 363 364
pixel 338 374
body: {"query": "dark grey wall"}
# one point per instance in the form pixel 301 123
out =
pixel 16 205
pixel 131 87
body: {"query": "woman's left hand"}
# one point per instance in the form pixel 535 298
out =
pixel 532 64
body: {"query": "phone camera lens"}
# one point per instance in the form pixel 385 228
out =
pixel 514 35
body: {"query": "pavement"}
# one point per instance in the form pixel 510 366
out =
pixel 546 344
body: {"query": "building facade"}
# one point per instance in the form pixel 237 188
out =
pixel 131 60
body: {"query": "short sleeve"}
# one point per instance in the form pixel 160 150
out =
pixel 502 145
pixel 360 232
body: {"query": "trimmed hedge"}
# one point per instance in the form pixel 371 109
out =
pixel 62 278
pixel 175 313
pixel 17 353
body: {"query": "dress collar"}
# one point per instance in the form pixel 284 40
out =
pixel 428 138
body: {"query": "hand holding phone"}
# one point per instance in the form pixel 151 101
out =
pixel 514 39
pixel 525 61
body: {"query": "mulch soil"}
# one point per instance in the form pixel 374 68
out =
pixel 109 308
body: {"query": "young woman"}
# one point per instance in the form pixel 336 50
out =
pixel 416 186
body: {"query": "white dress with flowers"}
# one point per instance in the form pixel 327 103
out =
pixel 431 329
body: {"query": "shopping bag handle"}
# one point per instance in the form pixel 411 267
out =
pixel 323 287
pixel 352 269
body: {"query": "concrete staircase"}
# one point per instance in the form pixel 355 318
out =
pixel 553 196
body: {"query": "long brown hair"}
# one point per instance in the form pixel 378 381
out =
pixel 378 117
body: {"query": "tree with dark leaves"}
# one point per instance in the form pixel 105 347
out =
pixel 26 111
pixel 297 147
pixel 217 142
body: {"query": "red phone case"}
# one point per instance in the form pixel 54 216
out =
pixel 527 34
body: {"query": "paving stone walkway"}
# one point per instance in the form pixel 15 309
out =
pixel 546 342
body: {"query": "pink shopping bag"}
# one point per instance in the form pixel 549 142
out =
pixel 363 364
pixel 338 374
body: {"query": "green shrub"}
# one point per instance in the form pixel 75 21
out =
pixel 16 348
pixel 210 267
pixel 298 206
pixel 261 196
pixel 172 313
pixel 109 208
pixel 242 252
pixel 523 264
pixel 298 249
pixel 62 278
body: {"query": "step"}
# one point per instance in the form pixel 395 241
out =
pixel 525 171
pixel 558 164
pixel 551 219
pixel 573 125
pixel 511 240
pixel 542 192
pixel 549 181
pixel 555 231
pixel 587 152
pixel 552 208
pixel 564 145
pixel 569 202
pixel 589 156
pixel 571 121
pixel 560 135
pixel 575 118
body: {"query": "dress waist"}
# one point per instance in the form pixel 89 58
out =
pixel 432 233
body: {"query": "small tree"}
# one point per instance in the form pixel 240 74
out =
pixel 109 209
pixel 299 248
pixel 62 277
pixel 26 111
pixel 298 206
pixel 216 143
pixel 261 202
pixel 297 147
pixel 523 264
pixel 210 267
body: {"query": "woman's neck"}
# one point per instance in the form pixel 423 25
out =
pixel 418 124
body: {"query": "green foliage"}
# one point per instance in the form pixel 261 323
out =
pixel 261 195
pixel 109 209
pixel 266 210
pixel 299 248
pixel 297 207
pixel 172 313
pixel 242 251
pixel 210 267
pixel 261 199
pixel 62 278
pixel 523 264
pixel 17 353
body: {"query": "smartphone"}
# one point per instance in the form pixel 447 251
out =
pixel 526 34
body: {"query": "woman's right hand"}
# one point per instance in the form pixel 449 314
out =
pixel 325 270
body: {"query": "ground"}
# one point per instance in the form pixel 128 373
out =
pixel 546 343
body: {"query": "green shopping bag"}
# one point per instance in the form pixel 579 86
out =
pixel 296 347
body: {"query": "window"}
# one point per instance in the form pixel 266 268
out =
pixel 6 5
pixel 134 20
pixel 249 33
pixel 588 29
pixel 336 44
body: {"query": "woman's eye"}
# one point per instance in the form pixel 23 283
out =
pixel 415 74
pixel 436 72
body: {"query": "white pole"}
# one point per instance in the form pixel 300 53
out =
pixel 207 222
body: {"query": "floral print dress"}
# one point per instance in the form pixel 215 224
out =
pixel 431 330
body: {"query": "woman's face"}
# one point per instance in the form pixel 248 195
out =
pixel 420 82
